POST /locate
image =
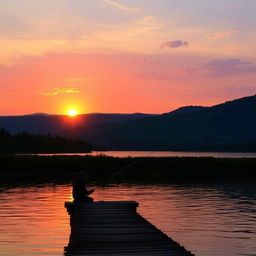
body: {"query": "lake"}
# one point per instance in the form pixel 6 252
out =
pixel 162 154
pixel 209 220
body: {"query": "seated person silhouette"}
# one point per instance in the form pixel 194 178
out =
pixel 80 192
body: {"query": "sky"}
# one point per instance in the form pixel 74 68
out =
pixel 124 56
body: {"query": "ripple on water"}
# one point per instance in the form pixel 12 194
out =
pixel 208 220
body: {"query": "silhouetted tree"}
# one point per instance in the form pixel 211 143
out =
pixel 37 143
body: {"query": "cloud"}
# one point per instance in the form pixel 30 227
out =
pixel 148 20
pixel 179 73
pixel 11 25
pixel 239 90
pixel 81 79
pixel 74 79
pixel 222 34
pixel 152 76
pixel 224 67
pixel 121 6
pixel 149 61
pixel 57 91
pixel 174 44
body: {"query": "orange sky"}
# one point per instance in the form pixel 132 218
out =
pixel 124 56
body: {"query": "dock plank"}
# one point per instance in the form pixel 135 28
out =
pixel 115 228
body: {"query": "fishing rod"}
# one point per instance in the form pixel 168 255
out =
pixel 122 170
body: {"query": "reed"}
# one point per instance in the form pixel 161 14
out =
pixel 185 169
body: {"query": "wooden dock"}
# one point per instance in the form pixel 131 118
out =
pixel 115 228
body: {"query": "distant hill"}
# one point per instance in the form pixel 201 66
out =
pixel 225 127
pixel 38 114
pixel 185 110
pixel 41 123
pixel 230 126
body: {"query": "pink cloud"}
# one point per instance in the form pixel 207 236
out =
pixel 225 67
pixel 222 34
pixel 121 6
pixel 174 44
pixel 179 73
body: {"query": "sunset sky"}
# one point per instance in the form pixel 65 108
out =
pixel 124 56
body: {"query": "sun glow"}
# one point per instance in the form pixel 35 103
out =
pixel 72 112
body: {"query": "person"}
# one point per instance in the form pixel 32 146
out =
pixel 80 192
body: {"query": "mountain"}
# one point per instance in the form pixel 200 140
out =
pixel 38 114
pixel 229 126
pixel 41 123
pixel 185 110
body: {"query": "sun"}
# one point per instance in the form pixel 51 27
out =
pixel 72 112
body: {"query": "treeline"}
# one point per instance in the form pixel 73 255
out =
pixel 37 143
pixel 104 169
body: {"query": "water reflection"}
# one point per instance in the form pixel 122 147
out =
pixel 208 220
pixel 161 154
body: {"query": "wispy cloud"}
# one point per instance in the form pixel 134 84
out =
pixel 57 91
pixel 148 20
pixel 152 76
pixel 224 67
pixel 81 79
pixel 179 73
pixel 121 6
pixel 149 61
pixel 222 34
pixel 174 44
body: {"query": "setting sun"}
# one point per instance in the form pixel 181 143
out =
pixel 72 112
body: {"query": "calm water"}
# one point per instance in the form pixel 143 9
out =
pixel 209 220
pixel 162 154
